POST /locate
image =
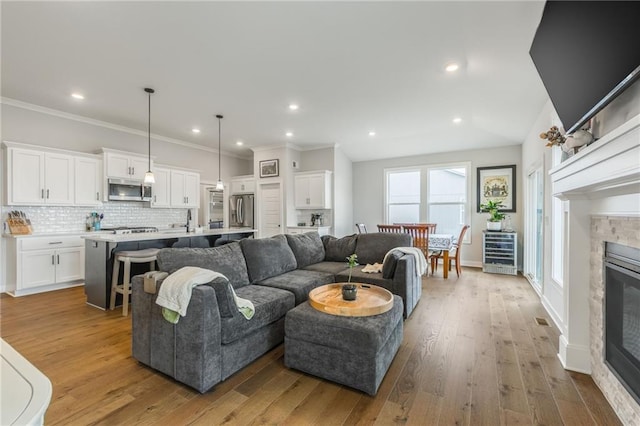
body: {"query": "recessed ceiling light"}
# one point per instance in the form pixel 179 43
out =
pixel 289 134
pixel 239 143
pixel 293 107
pixel 372 133
pixel 452 67
pixel 457 120
pixel 77 96
pixel 194 130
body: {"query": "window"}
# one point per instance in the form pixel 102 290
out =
pixel 434 194
pixel 403 196
pixel 534 231
pixel 447 198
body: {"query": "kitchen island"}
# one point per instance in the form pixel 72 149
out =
pixel 100 249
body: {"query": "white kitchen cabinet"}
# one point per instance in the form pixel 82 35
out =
pixel 322 230
pixel 243 185
pixel 37 264
pixel 88 181
pixel 312 190
pixel 126 166
pixel 38 177
pixel 185 189
pixel 161 188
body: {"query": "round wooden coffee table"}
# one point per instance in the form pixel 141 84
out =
pixel 370 300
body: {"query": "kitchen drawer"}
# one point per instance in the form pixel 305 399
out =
pixel 39 243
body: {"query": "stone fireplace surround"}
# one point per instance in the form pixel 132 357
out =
pixel 606 171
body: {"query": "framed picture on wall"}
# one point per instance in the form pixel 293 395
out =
pixel 497 183
pixel 269 168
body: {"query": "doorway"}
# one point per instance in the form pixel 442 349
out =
pixel 270 210
pixel 534 228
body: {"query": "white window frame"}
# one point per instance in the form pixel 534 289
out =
pixel 467 204
pixel 530 226
pixel 387 172
pixel 559 212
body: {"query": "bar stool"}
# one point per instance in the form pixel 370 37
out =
pixel 128 257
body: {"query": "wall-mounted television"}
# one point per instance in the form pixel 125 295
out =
pixel 587 53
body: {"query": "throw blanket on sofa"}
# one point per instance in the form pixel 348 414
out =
pixel 175 292
pixel 421 261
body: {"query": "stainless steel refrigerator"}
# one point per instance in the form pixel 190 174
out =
pixel 241 211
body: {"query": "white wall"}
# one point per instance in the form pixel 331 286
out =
pixel 343 223
pixel 368 184
pixel 38 128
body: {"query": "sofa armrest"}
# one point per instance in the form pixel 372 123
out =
pixel 407 283
pixel 189 351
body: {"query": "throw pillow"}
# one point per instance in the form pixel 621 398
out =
pixel 338 249
pixel 267 257
pixel 307 248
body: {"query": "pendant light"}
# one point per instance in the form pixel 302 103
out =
pixel 219 184
pixel 148 177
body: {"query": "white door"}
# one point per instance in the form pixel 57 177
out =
pixel 162 188
pixel 37 268
pixel 191 186
pixel 534 228
pixel 301 191
pixel 58 176
pixel 270 210
pixel 69 264
pixel 118 166
pixel 178 198
pixel 139 167
pixel 88 181
pixel 27 177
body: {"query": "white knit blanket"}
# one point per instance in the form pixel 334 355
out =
pixel 421 261
pixel 175 292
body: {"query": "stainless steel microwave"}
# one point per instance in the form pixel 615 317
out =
pixel 129 190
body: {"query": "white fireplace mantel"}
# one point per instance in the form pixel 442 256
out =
pixel 609 166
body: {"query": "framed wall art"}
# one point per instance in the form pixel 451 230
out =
pixel 497 183
pixel 269 168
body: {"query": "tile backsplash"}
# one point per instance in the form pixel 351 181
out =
pixel 73 219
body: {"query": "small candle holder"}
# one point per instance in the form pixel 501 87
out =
pixel 349 291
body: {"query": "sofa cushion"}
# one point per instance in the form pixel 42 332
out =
pixel 307 248
pixel 227 260
pixel 390 263
pixel 267 257
pixel 338 249
pixel 299 282
pixel 328 267
pixel 271 304
pixel 371 248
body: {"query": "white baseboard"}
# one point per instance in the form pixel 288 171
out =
pixel 574 357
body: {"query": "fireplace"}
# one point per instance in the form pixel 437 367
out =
pixel 622 314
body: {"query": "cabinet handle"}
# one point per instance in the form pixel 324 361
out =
pixel 53 260
pixel 55 242
pixel 42 193
pixel 133 171
pixel 154 199
pixel 97 196
pixel 47 194
pixel 58 259
pixel 187 200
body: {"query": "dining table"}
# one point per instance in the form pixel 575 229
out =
pixel 444 243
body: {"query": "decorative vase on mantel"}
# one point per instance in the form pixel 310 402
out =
pixel 494 226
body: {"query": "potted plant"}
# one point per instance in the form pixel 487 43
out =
pixel 349 290
pixel 494 223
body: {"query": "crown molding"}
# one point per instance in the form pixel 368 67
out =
pixel 61 114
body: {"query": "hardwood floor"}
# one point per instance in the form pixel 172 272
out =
pixel 472 354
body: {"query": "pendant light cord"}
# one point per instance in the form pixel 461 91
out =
pixel 219 116
pixel 149 130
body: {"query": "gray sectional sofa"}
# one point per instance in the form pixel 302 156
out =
pixel 214 340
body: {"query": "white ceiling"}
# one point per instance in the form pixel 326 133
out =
pixel 352 68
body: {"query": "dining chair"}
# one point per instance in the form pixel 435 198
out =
pixel 420 237
pixel 454 254
pixel 431 226
pixel 390 228
pixel 362 228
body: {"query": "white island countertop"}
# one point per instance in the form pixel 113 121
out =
pixel 163 235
